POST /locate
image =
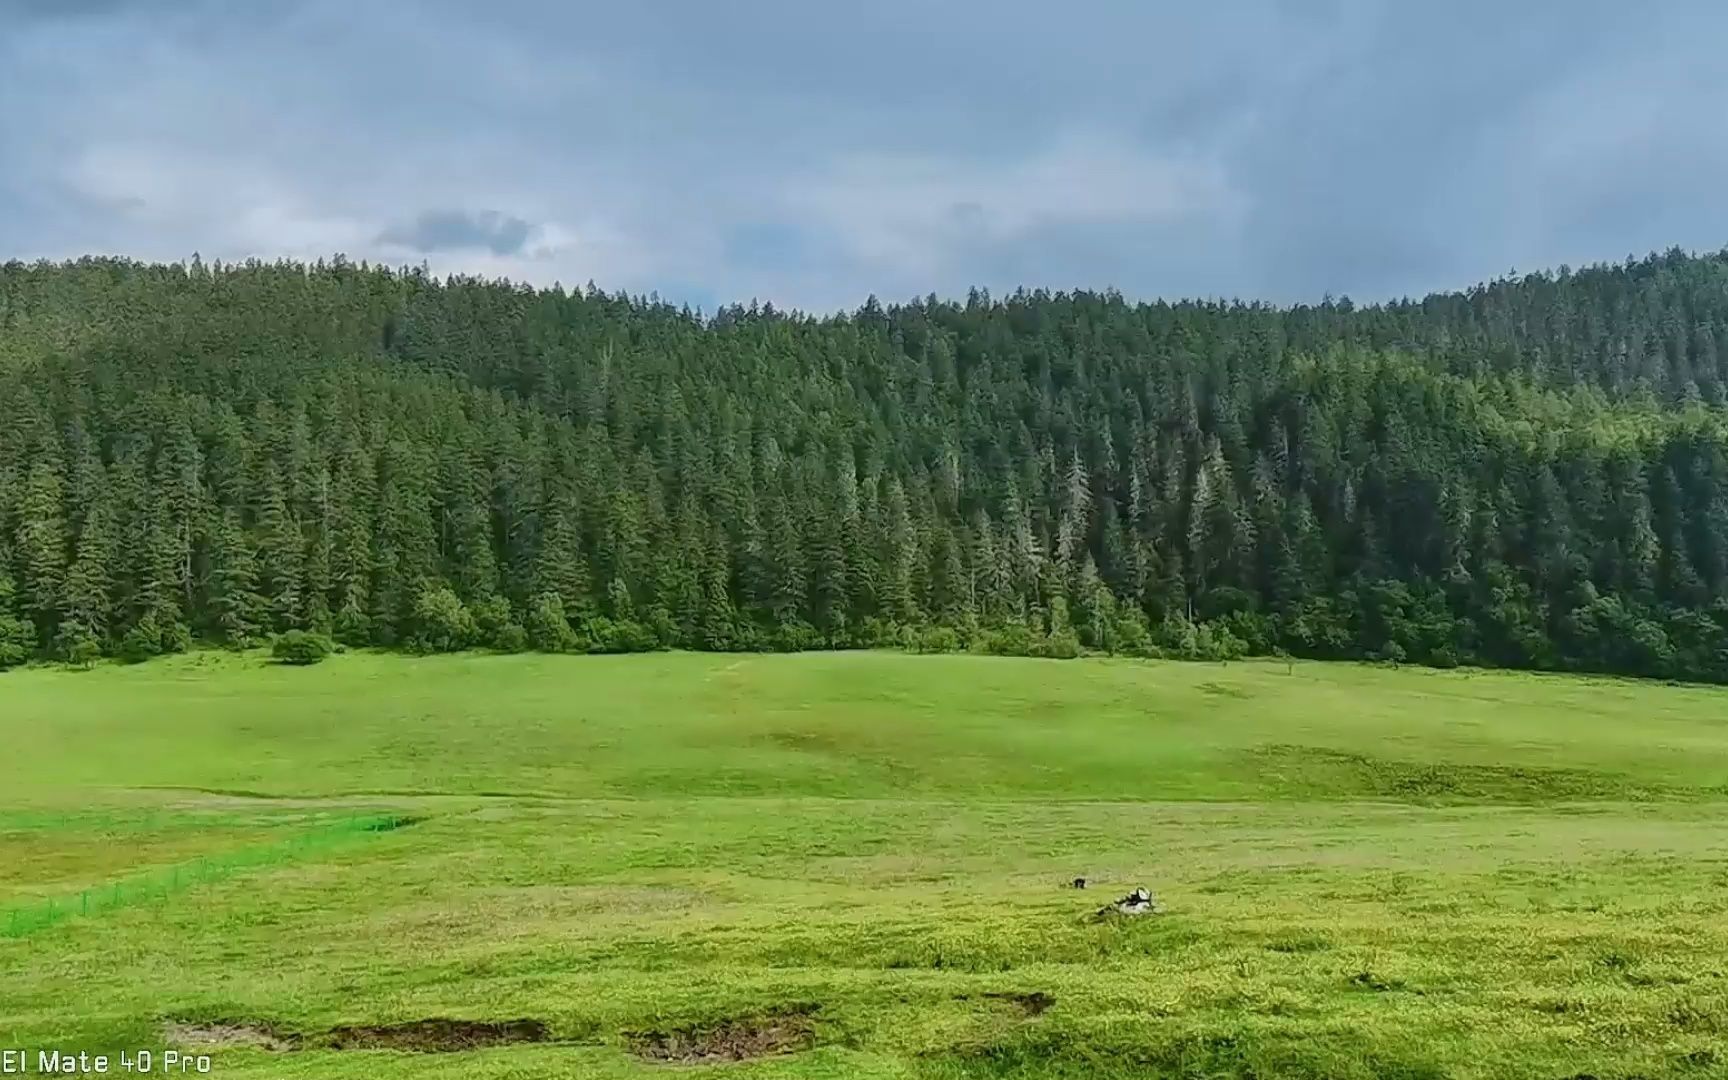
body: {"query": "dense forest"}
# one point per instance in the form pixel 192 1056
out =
pixel 1533 473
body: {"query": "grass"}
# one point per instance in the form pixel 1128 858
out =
pixel 162 884
pixel 853 866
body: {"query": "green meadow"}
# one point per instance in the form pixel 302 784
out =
pixel 859 865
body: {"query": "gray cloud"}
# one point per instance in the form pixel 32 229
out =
pixel 56 9
pixel 460 230
pixel 16 13
pixel 798 154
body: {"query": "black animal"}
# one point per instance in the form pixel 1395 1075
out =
pixel 1079 883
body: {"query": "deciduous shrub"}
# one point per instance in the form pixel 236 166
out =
pixel 441 623
pixel 548 628
pixel 301 648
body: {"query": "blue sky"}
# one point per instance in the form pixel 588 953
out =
pixel 814 153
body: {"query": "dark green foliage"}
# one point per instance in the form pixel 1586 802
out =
pixel 301 647
pixel 352 627
pixel 936 639
pixel 80 651
pixel 1533 473
pixel 441 623
pixel 1013 639
pixel 17 641
pixel 496 627
pixel 17 637
pixel 1061 645
pixel 509 638
pixel 621 636
pixel 547 626
pixel 153 635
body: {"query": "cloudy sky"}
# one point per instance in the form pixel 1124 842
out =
pixel 812 153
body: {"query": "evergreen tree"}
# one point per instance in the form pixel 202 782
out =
pixel 1532 473
pixel 239 613
pixel 41 543
pixel 17 637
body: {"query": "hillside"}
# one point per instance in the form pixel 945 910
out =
pixel 858 865
pixel 1531 474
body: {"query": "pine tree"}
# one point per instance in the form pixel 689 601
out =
pixel 86 600
pixel 17 637
pixel 42 544
pixel 719 629
pixel 281 555
pixel 559 567
pixel 1534 473
pixel 239 612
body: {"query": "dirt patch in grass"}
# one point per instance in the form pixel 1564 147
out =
pixel 420 1036
pixel 782 1031
pixel 436 1036
pixel 1368 980
pixel 1035 1003
pixel 1223 690
pixel 224 1035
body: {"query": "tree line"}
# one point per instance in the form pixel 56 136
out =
pixel 1531 474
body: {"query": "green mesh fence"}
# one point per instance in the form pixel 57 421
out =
pixel 160 884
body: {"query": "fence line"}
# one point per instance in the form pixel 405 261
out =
pixel 160 884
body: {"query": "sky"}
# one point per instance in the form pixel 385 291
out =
pixel 812 154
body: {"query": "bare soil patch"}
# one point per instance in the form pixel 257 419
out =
pixel 783 1031
pixel 1034 1003
pixel 436 1036
pixel 420 1036
pixel 1224 690
pixel 227 1035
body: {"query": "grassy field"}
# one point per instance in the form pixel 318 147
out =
pixel 853 865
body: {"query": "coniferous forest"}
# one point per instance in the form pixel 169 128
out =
pixel 1531 474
